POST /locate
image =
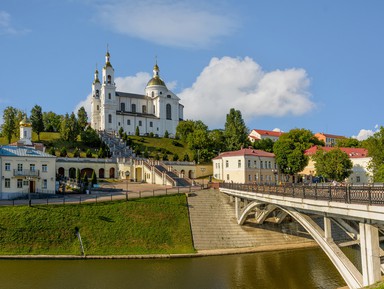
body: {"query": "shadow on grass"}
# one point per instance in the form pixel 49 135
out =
pixel 106 219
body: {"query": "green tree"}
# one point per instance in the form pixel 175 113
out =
pixel 89 137
pixel 52 151
pixel 166 134
pixel 289 150
pixel 88 153
pixel 137 132
pixel 265 144
pixel 375 147
pixel 186 158
pixel 10 126
pixel 64 128
pixel 216 141
pixel 334 164
pixel 63 152
pixel 82 118
pixel 76 153
pixel 235 132
pixel 184 128
pixel 348 143
pixel 121 132
pixel 78 175
pixel 93 179
pixel 51 121
pixel 37 120
pixel 175 157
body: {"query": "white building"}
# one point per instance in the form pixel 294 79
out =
pixel 25 169
pixel 157 110
pixel 245 166
pixel 259 134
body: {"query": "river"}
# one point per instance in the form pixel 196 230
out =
pixel 306 269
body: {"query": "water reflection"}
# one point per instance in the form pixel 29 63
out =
pixel 287 269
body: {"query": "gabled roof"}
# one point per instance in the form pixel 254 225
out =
pixel 329 135
pixel 351 152
pixel 245 152
pixel 268 132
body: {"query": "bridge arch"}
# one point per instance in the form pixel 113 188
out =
pixel 346 268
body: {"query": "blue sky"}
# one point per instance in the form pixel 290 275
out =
pixel 283 64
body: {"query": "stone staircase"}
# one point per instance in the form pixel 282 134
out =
pixel 117 146
pixel 214 226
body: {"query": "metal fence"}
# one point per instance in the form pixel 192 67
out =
pixel 94 197
pixel 368 195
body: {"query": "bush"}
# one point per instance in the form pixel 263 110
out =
pixel 88 153
pixel 166 134
pixel 63 152
pixel 175 157
pixel 52 151
pixel 177 144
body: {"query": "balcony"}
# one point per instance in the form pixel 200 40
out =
pixel 26 173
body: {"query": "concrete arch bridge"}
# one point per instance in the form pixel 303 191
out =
pixel 359 211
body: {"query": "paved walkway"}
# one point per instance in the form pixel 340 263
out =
pixel 214 227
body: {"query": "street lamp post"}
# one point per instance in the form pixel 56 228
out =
pixel 202 172
pixel 127 180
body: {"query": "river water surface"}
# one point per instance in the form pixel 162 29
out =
pixel 306 269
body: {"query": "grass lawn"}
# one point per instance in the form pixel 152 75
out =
pixel 143 226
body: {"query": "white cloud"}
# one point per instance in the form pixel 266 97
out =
pixel 242 84
pixel 168 22
pixel 366 133
pixel 6 26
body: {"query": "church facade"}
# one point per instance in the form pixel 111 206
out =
pixel 156 111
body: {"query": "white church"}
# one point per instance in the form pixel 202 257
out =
pixel 157 110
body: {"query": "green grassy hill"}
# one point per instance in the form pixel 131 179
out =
pixel 143 226
pixel 155 146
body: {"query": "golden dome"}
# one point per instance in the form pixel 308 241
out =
pixel 25 122
pixel 156 81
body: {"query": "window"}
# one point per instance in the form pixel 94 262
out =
pixel 150 124
pixel 97 93
pixel 19 167
pixel 153 94
pixel 249 178
pixel 140 123
pixel 109 79
pixel 45 168
pixel 25 183
pixel 269 165
pixel 357 179
pixel 109 118
pixel 109 95
pixel 161 92
pixel 128 122
pixel 226 164
pixel 7 166
pixel 239 163
pixel 44 185
pixel 255 164
pixel 97 107
pixel 261 178
pixel 118 123
pixel 261 164
pixel 19 183
pixel 168 111
pixel 122 106
pixel 133 107
pixel 169 96
pixel 32 167
pixel 144 109
pixel 227 177
pixel 249 163
pixel 7 183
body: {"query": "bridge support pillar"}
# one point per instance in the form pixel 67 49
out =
pixel 327 229
pixel 370 253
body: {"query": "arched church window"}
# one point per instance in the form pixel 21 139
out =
pixel 97 93
pixel 133 107
pixel 109 95
pixel 122 106
pixel 144 109
pixel 109 118
pixel 168 111
pixel 109 79
pixel 153 94
pixel 97 107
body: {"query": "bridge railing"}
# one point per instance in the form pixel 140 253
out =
pixel 369 195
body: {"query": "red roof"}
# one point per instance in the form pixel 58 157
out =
pixel 245 152
pixel 351 152
pixel 268 132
